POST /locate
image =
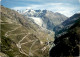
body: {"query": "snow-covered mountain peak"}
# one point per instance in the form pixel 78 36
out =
pixel 29 11
pixel 45 18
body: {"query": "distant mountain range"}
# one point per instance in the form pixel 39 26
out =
pixel 44 18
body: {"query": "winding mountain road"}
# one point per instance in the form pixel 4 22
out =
pixel 21 51
pixel 6 34
pixel 19 44
pixel 30 53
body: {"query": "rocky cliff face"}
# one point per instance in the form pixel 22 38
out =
pixel 21 37
pixel 68 44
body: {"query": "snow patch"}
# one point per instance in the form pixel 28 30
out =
pixel 29 11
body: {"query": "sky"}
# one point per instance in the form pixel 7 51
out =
pixel 66 7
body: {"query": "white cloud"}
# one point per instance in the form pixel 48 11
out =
pixel 55 7
pixel 38 6
pixel 79 1
pixel 0 0
pixel 67 11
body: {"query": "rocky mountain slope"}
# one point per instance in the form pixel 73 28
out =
pixel 46 19
pixel 20 37
pixel 68 45
pixel 63 27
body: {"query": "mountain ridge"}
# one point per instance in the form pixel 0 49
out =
pixel 68 43
pixel 49 18
pixel 66 24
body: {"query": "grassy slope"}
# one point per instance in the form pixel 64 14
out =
pixel 11 20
